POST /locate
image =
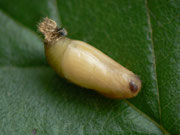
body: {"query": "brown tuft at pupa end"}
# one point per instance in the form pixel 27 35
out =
pixel 50 30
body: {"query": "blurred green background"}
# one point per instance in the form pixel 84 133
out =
pixel 142 35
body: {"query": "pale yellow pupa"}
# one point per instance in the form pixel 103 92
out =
pixel 85 65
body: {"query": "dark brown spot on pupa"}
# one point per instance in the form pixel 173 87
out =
pixel 133 87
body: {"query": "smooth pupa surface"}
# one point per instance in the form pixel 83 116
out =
pixel 88 67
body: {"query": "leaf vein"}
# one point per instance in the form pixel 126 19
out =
pixel 146 116
pixel 153 54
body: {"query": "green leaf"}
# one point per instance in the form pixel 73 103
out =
pixel 142 35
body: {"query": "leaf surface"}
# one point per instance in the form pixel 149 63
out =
pixel 143 36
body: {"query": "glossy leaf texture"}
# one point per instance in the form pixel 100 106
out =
pixel 142 35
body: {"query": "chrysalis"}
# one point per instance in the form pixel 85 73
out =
pixel 85 65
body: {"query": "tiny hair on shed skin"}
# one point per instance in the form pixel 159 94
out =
pixel 86 66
